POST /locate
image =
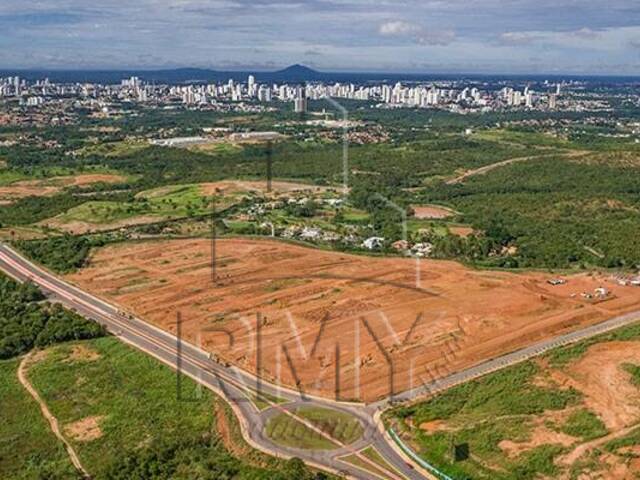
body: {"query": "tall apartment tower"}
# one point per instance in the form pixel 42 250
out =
pixel 300 100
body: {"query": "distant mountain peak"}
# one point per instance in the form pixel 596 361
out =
pixel 297 68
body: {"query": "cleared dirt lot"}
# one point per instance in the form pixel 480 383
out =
pixel 610 392
pixel 227 187
pixel 424 212
pixel 51 186
pixel 321 310
pixel 461 231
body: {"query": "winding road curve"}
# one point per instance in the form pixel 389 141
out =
pixel 235 384
pixel 231 383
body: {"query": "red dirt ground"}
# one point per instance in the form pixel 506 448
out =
pixel 605 385
pixel 461 231
pixel 51 186
pixel 342 306
pixel 431 211
pixel 241 186
pixel 609 392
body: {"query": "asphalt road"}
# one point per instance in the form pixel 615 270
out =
pixel 228 381
pixel 234 384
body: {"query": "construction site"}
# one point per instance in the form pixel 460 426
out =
pixel 339 325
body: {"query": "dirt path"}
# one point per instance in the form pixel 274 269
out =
pixel 488 168
pixel 571 457
pixel 53 421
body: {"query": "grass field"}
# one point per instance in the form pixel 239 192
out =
pixel 286 430
pixel 152 205
pixel 217 148
pixel 263 400
pixel 169 202
pixel 131 398
pixel 467 414
pixel 339 425
pixel 28 449
pixel 362 465
pixel 121 411
pixel 114 149
pixel 7 177
pixel 522 138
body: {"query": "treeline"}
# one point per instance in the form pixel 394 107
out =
pixel 323 164
pixel 26 322
pixel 551 213
pixel 34 209
pixel 29 210
pixel 381 197
pixel 201 458
pixel 61 254
pixel 157 166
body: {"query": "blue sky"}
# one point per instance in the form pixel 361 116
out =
pixel 501 36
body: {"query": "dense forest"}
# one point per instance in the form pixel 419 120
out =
pixel 202 458
pixel 557 213
pixel 26 322
pixel 62 254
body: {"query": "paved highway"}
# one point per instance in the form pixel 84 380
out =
pixel 231 383
pixel 235 384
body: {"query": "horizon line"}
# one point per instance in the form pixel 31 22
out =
pixel 339 71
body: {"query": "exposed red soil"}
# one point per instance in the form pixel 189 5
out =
pixel 461 231
pixel 51 186
pixel 82 353
pixel 541 435
pixel 85 430
pixel 78 227
pixel 240 186
pixel 606 386
pixel 317 306
pixel 431 211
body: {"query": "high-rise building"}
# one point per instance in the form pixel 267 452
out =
pixel 264 94
pixel 236 93
pixel 300 100
pixel 528 98
pixel 386 93
pixel 251 86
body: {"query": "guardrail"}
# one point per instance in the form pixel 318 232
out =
pixel 416 458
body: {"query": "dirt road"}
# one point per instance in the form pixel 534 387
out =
pixel 53 421
pixel 493 166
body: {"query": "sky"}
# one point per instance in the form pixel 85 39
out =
pixel 439 36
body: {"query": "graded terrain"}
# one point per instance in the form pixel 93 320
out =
pixel 368 313
pixel 573 413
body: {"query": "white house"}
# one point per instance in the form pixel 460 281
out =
pixel 373 243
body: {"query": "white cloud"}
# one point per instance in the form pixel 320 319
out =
pixel 518 38
pixel 398 27
pixel 348 33
pixel 418 33
pixel 557 37
pixel 585 33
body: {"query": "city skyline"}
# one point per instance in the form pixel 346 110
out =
pixel 516 37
